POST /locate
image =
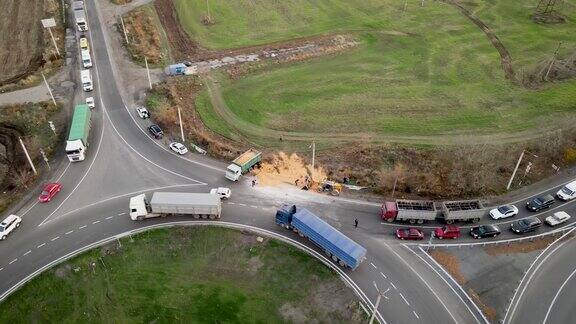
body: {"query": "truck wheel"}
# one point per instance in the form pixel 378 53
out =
pixel 301 235
pixel 341 263
pixel 196 216
pixel 140 218
pixel 204 216
pixel 212 216
pixel 295 230
pixel 334 258
pixel 420 221
pixel 18 225
pixel 450 221
pixel 412 221
pixel 3 237
pixel 476 220
pixel 328 254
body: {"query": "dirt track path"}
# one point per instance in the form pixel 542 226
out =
pixel 248 131
pixel 505 58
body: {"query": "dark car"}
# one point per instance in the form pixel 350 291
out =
pixel 526 225
pixel 409 234
pixel 156 131
pixel 483 231
pixel 540 203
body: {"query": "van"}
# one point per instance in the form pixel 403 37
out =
pixel 568 192
pixel 86 78
pixel 86 59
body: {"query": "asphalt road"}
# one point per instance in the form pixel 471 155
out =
pixel 124 160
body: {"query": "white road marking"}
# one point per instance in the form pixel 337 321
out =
pixel 13 261
pixel 1 269
pixel 556 296
pixel 109 217
pixel 69 232
pixel 231 203
pixel 383 275
pixel 372 264
pixel 81 227
pixel 416 314
pixel 393 286
pixel 405 300
pixel 253 206
pixel 25 254
pixel 41 245
pixel 95 222
pixel 54 239
pixel 121 214
pixel 243 205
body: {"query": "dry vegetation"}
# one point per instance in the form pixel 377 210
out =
pixel 144 36
pixel 450 264
pixel 120 2
pixel 487 310
pixel 25 47
pixel 524 246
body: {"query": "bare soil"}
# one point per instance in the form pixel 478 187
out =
pixel 25 47
pixel 450 264
pixel 487 310
pixel 143 36
pixel 284 168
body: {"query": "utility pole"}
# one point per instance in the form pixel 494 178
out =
pixel 148 72
pixel 48 87
pixel 380 295
pixel 515 169
pixel 27 155
pixel 49 23
pixel 552 61
pixel 394 188
pixel 124 29
pixel 181 127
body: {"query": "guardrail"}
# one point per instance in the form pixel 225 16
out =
pixel 557 232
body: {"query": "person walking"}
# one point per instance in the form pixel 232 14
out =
pixel 356 223
pixel 253 183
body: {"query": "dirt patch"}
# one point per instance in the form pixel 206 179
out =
pixel 329 297
pixel 144 39
pixel 292 314
pixel 283 168
pixel 25 47
pixel 254 265
pixel 450 264
pixel 487 310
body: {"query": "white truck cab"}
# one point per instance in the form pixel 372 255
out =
pixel 233 172
pixel 568 192
pixel 86 78
pixel 139 208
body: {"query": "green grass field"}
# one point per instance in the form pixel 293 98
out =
pixel 187 275
pixel 440 76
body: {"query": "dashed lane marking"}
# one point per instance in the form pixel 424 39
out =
pixel 95 222
pixel 81 227
pixel 25 254
pixel 406 301
pixel 69 232
pixel 416 314
pixel 231 203
pixel 243 205
pixel 54 239
pixel 109 217
pixel 41 245
pixel 391 283
pixel 372 264
pixel 383 275
pixel 13 261
pixel 1 269
pixel 121 214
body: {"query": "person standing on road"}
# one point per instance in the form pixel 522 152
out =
pixel 356 223
pixel 253 182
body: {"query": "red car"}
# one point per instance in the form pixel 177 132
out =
pixel 409 234
pixel 447 232
pixel 49 191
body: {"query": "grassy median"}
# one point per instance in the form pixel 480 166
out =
pixel 192 275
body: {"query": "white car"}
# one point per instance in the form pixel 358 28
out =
pixel 568 192
pixel 8 225
pixel 178 148
pixel 557 219
pixel 223 193
pixel 504 212
pixel 90 102
pixel 142 112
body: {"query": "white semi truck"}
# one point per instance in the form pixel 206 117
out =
pixel 80 15
pixel 198 205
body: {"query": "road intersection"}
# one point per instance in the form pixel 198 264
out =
pixel 123 160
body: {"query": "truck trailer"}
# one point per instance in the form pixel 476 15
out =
pixel 77 142
pixel 336 245
pixel 420 211
pixel 198 205
pixel 243 164
pixel 413 211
